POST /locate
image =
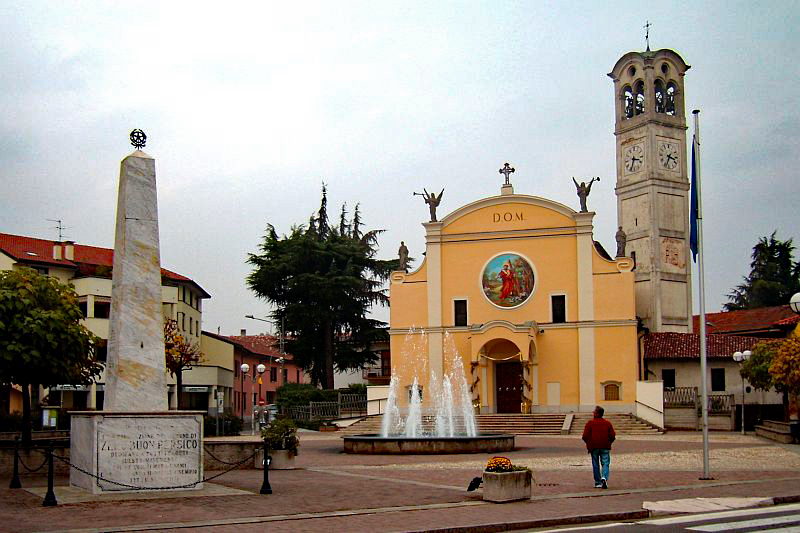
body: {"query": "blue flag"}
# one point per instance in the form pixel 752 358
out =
pixel 693 208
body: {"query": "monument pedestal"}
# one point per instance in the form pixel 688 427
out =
pixel 133 451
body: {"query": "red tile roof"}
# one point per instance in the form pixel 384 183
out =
pixel 263 345
pixel 763 321
pixel 31 251
pixel 666 345
pixel 789 321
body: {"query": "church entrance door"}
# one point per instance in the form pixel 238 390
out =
pixel 508 378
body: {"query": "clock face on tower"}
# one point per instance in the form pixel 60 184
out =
pixel 668 155
pixel 634 158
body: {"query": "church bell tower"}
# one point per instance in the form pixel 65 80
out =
pixel 652 184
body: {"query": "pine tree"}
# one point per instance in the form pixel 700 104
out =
pixel 774 276
pixel 323 281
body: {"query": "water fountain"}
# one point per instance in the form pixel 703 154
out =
pixel 437 418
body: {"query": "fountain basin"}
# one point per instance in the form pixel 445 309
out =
pixel 398 445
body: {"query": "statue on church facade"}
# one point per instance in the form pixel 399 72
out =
pixel 621 238
pixel 583 191
pixel 403 255
pixel 432 200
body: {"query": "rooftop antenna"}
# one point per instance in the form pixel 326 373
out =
pixel 60 227
pixel 647 34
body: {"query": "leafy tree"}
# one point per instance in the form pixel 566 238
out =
pixel 323 281
pixel 179 354
pixel 42 339
pixel 756 369
pixel 785 368
pixel 774 276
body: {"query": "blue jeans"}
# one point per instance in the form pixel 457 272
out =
pixel 600 456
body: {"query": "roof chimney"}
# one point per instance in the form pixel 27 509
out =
pixel 57 250
pixel 244 333
pixel 69 250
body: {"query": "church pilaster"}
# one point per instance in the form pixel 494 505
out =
pixel 586 341
pixel 433 258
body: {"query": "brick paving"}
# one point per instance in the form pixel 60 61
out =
pixel 333 491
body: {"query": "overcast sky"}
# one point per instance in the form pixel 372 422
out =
pixel 248 108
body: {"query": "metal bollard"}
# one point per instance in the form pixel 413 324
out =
pixel 15 483
pixel 50 497
pixel 265 486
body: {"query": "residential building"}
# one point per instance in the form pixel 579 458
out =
pixel 377 373
pixel 252 389
pixel 765 322
pixel 674 359
pixel 88 269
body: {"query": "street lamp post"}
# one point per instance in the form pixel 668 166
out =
pixel 741 357
pixel 280 331
pixel 281 360
pixel 260 369
pixel 245 368
pixel 260 410
pixel 794 302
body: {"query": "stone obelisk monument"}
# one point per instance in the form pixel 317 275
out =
pixel 135 372
pixel 135 443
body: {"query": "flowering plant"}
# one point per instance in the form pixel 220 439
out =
pixel 502 464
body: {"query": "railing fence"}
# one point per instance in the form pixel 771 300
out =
pixel 348 405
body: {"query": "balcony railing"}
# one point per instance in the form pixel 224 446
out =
pixel 377 371
pixel 720 403
pixel 680 397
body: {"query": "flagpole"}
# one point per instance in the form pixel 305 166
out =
pixel 700 286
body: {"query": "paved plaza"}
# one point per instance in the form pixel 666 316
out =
pixel 332 491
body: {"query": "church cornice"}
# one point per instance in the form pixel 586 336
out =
pixel 646 58
pixel 628 125
pixel 647 183
pixel 503 199
pixel 564 231
pixel 532 328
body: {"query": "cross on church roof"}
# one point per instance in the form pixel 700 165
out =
pixel 507 170
pixel 647 34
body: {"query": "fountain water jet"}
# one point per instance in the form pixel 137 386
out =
pixel 439 417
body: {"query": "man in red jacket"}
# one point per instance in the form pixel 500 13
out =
pixel 598 436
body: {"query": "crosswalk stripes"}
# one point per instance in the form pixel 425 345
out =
pixel 686 519
pixel 774 519
pixel 745 524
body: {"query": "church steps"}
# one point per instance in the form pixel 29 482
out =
pixel 490 423
pixel 624 424
pixel 534 424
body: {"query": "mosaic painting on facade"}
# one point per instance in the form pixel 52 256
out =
pixel 508 280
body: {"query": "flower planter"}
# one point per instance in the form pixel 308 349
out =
pixel 281 460
pixel 507 486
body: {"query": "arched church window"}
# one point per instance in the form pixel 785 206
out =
pixel 639 92
pixel 669 105
pixel 658 93
pixel 627 98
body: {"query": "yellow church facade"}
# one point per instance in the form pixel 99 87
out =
pixel 540 315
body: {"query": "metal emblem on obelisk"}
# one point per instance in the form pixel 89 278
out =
pixel 138 139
